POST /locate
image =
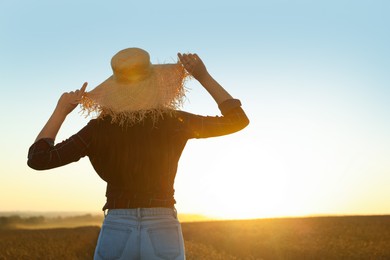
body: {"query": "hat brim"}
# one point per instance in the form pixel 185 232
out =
pixel 163 89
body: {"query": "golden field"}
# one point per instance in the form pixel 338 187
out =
pixel 352 237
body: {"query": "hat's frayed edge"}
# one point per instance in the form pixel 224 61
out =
pixel 127 118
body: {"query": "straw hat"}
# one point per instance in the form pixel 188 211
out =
pixel 137 88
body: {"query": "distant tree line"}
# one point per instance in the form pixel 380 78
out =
pixel 12 221
pixel 15 221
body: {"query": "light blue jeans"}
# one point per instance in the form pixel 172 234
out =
pixel 143 233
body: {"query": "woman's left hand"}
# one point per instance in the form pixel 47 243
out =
pixel 193 64
pixel 69 100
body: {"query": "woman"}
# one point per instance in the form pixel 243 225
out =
pixel 134 145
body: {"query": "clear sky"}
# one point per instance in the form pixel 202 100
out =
pixel 313 77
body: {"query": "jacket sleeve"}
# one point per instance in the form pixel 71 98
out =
pixel 233 119
pixel 43 154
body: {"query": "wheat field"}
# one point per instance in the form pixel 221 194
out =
pixel 356 237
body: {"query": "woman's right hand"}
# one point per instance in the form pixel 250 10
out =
pixel 194 65
pixel 69 100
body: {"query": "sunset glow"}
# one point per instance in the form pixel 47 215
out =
pixel 312 76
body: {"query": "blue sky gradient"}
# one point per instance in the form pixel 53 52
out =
pixel 313 77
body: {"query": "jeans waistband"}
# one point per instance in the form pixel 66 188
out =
pixel 143 212
pixel 134 203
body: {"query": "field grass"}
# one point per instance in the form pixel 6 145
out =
pixel 356 237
